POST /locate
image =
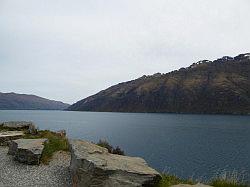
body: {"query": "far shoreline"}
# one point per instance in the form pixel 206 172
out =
pixel 169 113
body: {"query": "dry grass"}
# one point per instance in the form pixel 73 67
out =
pixel 169 180
pixel 229 179
pixel 224 179
pixel 55 143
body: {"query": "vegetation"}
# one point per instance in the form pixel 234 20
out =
pixel 56 142
pixel 111 149
pixel 225 183
pixel 229 179
pixel 169 180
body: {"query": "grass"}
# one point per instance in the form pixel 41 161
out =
pixel 229 179
pixel 225 183
pixel 55 143
pixel 169 180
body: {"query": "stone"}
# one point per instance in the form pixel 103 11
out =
pixel 20 125
pixel 189 185
pixel 27 151
pixel 92 165
pixel 6 136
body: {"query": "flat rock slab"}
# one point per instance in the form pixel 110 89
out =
pixel 188 185
pixel 20 125
pixel 27 151
pixel 92 165
pixel 6 136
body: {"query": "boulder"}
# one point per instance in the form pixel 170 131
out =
pixel 6 136
pixel 92 165
pixel 20 125
pixel 27 151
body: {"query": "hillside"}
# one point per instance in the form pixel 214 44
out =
pixel 13 101
pixel 210 87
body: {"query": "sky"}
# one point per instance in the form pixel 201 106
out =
pixel 69 49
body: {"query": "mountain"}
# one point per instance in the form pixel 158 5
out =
pixel 221 86
pixel 13 101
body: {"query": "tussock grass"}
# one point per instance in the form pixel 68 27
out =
pixel 55 143
pixel 229 179
pixel 226 179
pixel 169 180
pixel 225 183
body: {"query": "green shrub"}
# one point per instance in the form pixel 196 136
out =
pixel 111 149
pixel 169 180
pixel 118 151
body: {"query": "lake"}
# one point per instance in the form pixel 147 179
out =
pixel 196 146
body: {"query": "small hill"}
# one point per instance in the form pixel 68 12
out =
pixel 221 86
pixel 13 101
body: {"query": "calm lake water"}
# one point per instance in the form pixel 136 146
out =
pixel 197 146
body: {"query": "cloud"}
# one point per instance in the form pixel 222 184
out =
pixel 67 50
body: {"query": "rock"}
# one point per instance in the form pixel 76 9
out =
pixel 20 125
pixel 92 165
pixel 188 185
pixel 27 151
pixel 6 136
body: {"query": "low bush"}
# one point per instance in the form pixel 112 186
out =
pixel 169 180
pixel 111 149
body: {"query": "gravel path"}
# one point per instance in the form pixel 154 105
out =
pixel 15 174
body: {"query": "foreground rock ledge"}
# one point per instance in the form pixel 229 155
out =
pixel 92 165
pixel 28 151
pixel 6 136
pixel 20 125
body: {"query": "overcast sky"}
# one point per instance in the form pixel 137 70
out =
pixel 69 49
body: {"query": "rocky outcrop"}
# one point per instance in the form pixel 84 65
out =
pixel 6 136
pixel 27 151
pixel 20 125
pixel 92 165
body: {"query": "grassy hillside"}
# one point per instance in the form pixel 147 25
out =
pixel 211 87
pixel 13 101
